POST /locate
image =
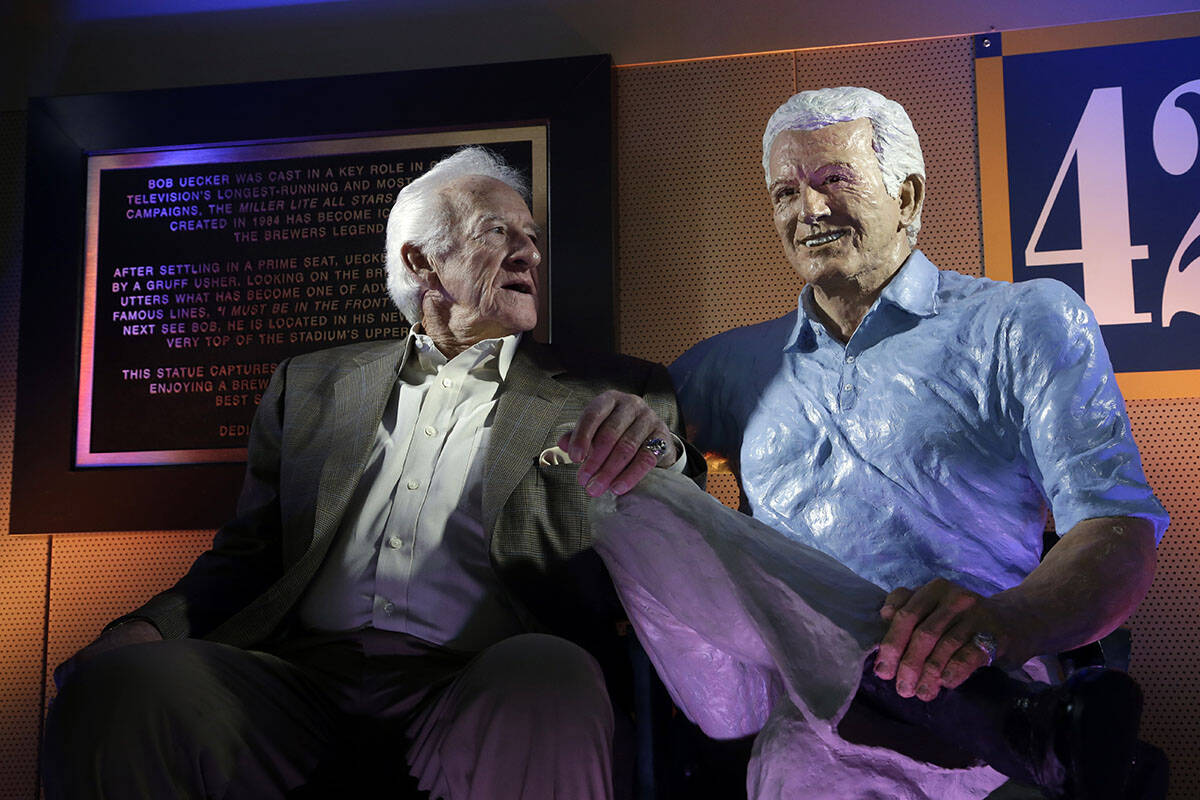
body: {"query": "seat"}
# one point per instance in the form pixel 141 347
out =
pixel 675 759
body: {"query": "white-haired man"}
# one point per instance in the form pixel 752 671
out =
pixel 913 424
pixel 408 572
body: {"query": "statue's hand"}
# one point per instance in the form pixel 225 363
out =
pixel 940 634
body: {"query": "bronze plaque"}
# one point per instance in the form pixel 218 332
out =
pixel 206 266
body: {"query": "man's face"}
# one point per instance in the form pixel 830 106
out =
pixel 839 227
pixel 488 281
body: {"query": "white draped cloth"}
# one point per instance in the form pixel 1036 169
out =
pixel 754 632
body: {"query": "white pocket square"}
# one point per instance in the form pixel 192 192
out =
pixel 554 457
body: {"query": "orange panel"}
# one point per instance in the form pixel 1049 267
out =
pixel 993 169
pixel 1100 34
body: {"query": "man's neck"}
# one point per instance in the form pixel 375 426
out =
pixel 841 314
pixel 842 307
pixel 451 338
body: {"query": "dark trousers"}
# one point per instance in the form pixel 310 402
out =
pixel 528 718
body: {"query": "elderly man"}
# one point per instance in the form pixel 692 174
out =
pixel 402 564
pixel 913 424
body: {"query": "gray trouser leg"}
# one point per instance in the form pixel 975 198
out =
pixel 528 719
pixel 185 719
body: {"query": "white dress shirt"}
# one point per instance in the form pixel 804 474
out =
pixel 411 554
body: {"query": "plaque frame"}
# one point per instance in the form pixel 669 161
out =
pixel 295 154
pixel 571 97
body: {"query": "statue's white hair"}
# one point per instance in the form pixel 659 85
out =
pixel 897 147
pixel 422 216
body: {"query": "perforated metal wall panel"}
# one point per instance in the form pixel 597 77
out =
pixel 698 255
pixel 1166 629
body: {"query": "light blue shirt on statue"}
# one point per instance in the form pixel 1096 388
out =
pixel 931 443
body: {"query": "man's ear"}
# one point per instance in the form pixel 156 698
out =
pixel 417 264
pixel 911 197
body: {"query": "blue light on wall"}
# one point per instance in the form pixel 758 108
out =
pixel 114 9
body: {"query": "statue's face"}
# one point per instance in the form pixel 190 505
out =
pixel 840 228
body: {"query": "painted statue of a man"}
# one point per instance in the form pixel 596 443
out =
pixel 913 424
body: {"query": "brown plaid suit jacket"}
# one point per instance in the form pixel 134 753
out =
pixel 309 444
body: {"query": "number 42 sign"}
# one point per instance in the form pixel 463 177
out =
pixel 1090 172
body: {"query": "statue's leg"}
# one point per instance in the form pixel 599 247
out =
pixel 731 610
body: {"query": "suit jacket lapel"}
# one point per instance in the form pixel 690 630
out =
pixel 359 398
pixel 530 403
pixel 358 401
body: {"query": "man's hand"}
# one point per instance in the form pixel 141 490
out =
pixel 929 643
pixel 607 443
pixel 135 631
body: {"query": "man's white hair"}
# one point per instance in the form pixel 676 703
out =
pixel 897 147
pixel 422 216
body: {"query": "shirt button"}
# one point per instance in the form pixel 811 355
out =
pixel 447 382
pixel 430 430
pixel 847 388
pixel 849 359
pixel 414 484
pixel 389 608
pixel 396 542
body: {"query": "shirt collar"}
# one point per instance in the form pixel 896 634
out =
pixel 804 335
pixel 913 289
pixel 496 353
